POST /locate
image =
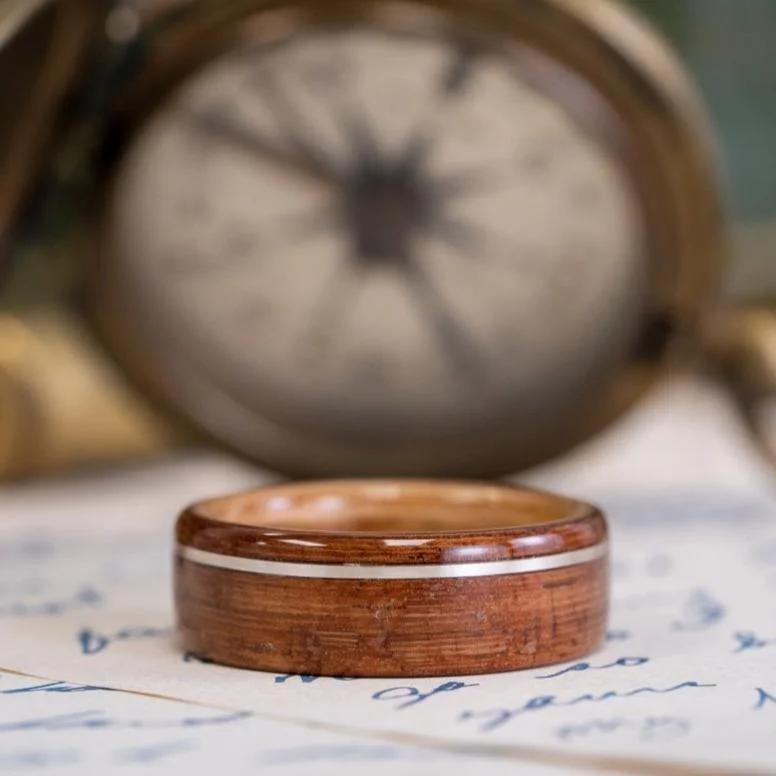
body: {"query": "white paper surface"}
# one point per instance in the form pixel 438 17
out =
pixel 688 675
pixel 74 730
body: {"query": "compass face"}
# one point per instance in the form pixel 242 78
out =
pixel 381 237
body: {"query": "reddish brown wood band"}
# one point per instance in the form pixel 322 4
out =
pixel 391 578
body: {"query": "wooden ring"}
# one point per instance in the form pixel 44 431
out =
pixel 394 578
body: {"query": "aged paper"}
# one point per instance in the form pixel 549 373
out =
pixel 687 677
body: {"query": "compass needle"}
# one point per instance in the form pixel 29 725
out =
pixel 450 86
pixel 454 337
pixel 476 244
pixel 465 238
pixel 358 133
pixel 291 123
pixel 253 143
pixel 336 82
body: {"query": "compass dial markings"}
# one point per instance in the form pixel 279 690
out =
pixel 291 121
pixel 256 145
pixel 357 133
pixel 476 244
pixel 454 337
pixel 326 81
pixel 452 82
pixel 240 246
pixel 326 318
pixel 350 118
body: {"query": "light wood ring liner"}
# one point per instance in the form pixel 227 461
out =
pixel 396 578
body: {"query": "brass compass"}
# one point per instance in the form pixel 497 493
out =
pixel 407 238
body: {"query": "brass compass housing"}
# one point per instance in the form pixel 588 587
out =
pixel 596 252
pixel 356 237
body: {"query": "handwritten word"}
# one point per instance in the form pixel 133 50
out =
pixel 623 662
pixel 617 635
pixel 93 643
pixel 310 678
pixel 98 720
pixel 495 718
pixel 86 597
pixel 14 761
pixel 152 754
pixel 700 612
pixel 415 695
pixel 649 729
pixel 346 753
pixel 54 687
pixel 764 698
pixel 748 641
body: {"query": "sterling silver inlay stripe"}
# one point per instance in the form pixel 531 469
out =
pixel 355 571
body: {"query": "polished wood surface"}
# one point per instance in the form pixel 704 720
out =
pixel 438 609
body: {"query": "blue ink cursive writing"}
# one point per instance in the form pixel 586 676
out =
pixel 317 753
pixel 152 754
pixel 310 678
pixel 92 643
pixel 748 641
pixel 412 695
pixel 495 718
pixel 98 720
pixel 85 598
pixel 649 729
pixel 763 699
pixel 623 662
pixel 13 762
pixel 700 612
pixel 54 687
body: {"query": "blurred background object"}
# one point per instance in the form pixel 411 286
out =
pixel 43 45
pixel 62 403
pixel 130 330
pixel 62 406
pixel 728 46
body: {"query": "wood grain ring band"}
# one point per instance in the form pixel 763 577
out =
pixel 391 578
